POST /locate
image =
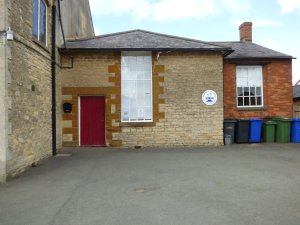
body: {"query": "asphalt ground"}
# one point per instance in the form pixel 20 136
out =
pixel 231 185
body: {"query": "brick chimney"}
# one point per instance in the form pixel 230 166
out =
pixel 246 31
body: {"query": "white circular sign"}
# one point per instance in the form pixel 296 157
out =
pixel 209 97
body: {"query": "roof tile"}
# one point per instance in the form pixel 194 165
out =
pixel 141 40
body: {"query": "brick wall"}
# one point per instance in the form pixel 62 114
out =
pixel 246 31
pixel 277 88
pixel 29 91
pixel 180 117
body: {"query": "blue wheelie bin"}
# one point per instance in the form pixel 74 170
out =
pixel 255 130
pixel 295 130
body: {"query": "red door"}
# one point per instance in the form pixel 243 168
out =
pixel 92 121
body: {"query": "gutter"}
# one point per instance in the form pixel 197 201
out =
pixel 226 51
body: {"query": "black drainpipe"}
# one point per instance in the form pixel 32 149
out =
pixel 53 78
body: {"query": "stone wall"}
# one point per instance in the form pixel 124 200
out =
pixel 3 91
pixel 180 116
pixel 91 74
pixel 277 90
pixel 29 91
pixel 77 23
pixel 188 121
pixel 58 104
pixel 76 20
pixel 25 86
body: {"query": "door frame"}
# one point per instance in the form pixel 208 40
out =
pixel 79 120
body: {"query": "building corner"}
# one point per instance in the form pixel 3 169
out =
pixel 4 100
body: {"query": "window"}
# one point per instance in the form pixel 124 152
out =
pixel 136 73
pixel 39 12
pixel 249 86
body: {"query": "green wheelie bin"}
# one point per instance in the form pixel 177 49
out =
pixel 283 129
pixel 269 131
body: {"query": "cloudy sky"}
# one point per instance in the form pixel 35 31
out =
pixel 276 22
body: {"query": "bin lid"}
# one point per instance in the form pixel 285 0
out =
pixel 296 119
pixel 230 121
pixel 282 119
pixel 270 123
pixel 256 119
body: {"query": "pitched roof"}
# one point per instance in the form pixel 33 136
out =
pixel 142 40
pixel 136 40
pixel 245 49
pixel 296 91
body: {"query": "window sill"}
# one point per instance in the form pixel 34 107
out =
pixel 41 45
pixel 137 124
pixel 264 108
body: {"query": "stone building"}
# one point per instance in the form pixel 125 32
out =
pixel 162 77
pixel 25 78
pixel 128 89
pixel 150 88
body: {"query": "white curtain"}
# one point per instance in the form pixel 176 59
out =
pixel 249 76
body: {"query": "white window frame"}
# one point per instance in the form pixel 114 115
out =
pixel 38 24
pixel 136 53
pixel 262 88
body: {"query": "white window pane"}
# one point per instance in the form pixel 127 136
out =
pixel 139 60
pixel 254 76
pixel 147 59
pixel 125 73
pixel 140 93
pixel 147 75
pixel 140 75
pixel 132 61
pixel 125 108
pixel 133 109
pixel 136 75
pixel 125 102
pixel 128 88
pixel 148 113
pixel 35 17
pixel 124 62
pixel 242 77
pixel 249 85
pixel 148 68
pixel 148 87
pixel 141 113
pixel 125 116
pixel 148 100
pixel 42 17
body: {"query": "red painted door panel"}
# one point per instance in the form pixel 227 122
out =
pixel 92 121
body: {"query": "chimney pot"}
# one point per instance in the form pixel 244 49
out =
pixel 246 31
